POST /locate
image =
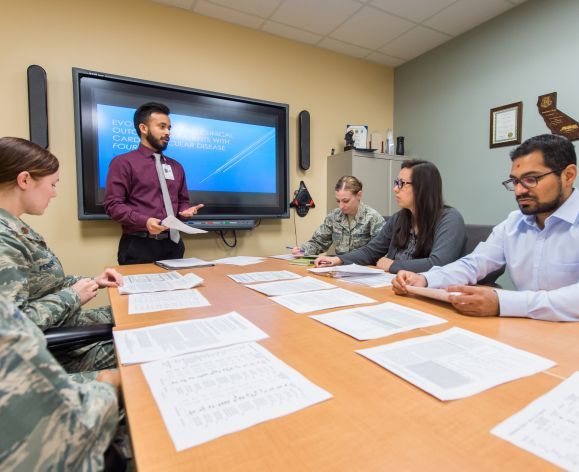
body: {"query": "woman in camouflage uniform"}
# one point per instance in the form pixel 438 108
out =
pixel 350 226
pixel 30 274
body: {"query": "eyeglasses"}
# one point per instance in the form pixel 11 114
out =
pixel 400 183
pixel 527 182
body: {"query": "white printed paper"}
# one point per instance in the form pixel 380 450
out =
pixel 184 263
pixel 175 223
pixel 160 301
pixel 269 276
pixel 549 426
pixel 182 337
pixel 372 281
pixel 163 282
pixel 239 260
pixel 287 287
pixel 456 363
pixel 284 257
pixel 377 321
pixel 208 394
pixel 321 300
pixel 434 293
pixel 346 270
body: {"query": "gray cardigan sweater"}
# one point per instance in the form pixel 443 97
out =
pixel 449 245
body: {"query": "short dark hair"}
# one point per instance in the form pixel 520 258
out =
pixel 145 111
pixel 558 151
pixel 19 155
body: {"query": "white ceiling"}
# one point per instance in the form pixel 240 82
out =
pixel 389 32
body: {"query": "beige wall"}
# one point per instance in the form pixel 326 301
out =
pixel 141 39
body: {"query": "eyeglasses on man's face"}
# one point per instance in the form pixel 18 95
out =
pixel 400 183
pixel 528 181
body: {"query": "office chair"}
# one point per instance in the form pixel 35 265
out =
pixel 74 337
pixel 474 235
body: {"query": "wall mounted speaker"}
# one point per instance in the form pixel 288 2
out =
pixel 37 106
pixel 304 138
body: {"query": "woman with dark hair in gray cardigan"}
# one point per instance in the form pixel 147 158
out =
pixel 423 234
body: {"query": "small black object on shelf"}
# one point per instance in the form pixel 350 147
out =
pixel 349 137
pixel 400 145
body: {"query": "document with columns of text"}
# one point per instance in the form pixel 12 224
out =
pixel 208 394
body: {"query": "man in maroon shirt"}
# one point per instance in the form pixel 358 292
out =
pixel 133 194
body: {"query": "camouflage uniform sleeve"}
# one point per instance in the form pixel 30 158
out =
pixel 376 223
pixel 70 280
pixel 55 424
pixel 322 237
pixel 47 311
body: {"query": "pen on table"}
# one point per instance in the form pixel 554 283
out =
pixel 291 247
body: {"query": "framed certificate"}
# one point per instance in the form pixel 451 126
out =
pixel 506 124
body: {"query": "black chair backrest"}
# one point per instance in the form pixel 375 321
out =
pixel 474 235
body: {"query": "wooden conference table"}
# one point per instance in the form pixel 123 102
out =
pixel 375 421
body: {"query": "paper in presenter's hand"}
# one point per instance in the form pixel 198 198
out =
pixel 175 223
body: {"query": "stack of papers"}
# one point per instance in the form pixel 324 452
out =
pixel 158 282
pixel 183 263
pixel 239 260
pixel 346 270
pixel 287 287
pixel 174 339
pixel 456 363
pixel 252 277
pixel 377 321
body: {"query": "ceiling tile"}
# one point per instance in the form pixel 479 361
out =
pixel 343 48
pixel 290 32
pixel 415 10
pixel 384 59
pixel 414 43
pixel 320 16
pixel 186 4
pixel 371 28
pixel 466 14
pixel 226 14
pixel 262 8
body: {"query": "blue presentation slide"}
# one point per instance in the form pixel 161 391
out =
pixel 218 156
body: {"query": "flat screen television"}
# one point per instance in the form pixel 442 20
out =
pixel 234 149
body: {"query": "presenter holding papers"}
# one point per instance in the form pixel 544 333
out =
pixel 145 187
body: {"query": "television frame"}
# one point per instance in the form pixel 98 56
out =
pixel 282 181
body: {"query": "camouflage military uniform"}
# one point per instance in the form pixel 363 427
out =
pixel 32 277
pixel 49 421
pixel 337 229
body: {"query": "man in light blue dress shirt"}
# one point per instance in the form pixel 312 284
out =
pixel 539 243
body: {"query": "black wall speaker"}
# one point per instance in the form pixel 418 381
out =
pixel 304 138
pixel 37 106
